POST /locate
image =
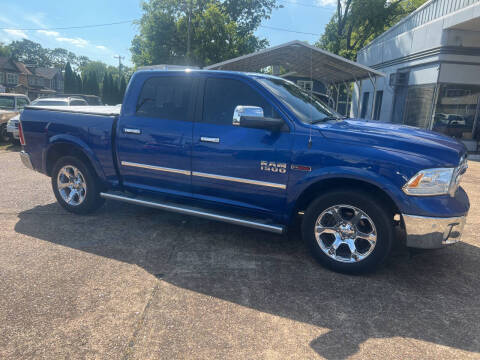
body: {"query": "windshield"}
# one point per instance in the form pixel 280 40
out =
pixel 7 102
pixel 306 109
pixel 49 103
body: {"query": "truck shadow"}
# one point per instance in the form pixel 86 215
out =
pixel 431 296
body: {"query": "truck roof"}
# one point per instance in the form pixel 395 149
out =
pixel 229 72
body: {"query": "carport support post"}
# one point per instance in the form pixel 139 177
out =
pixel 373 79
pixel 347 89
pixel 337 89
pixel 359 87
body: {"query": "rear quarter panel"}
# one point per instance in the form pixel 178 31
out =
pixel 88 132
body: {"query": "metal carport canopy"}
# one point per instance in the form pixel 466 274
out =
pixel 302 59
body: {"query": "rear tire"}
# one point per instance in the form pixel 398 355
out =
pixel 76 186
pixel 348 231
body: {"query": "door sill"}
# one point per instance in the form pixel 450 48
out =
pixel 194 211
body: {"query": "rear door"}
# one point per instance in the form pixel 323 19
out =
pixel 154 144
pixel 237 166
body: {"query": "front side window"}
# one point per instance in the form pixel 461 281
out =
pixel 7 102
pixel 166 97
pixel 305 107
pixel 222 96
pixel 2 77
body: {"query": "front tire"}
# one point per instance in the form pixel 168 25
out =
pixel 348 231
pixel 76 186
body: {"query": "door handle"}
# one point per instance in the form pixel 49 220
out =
pixel 132 131
pixel 210 139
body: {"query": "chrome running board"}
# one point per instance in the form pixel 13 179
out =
pixel 277 229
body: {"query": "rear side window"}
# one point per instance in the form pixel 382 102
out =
pixel 166 98
pixel 223 95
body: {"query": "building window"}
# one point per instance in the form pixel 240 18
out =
pixel 457 110
pixel 378 104
pixel 2 77
pixel 12 79
pixel 306 85
pixel 418 106
pixel 365 100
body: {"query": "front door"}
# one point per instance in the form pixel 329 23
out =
pixel 154 144
pixel 236 166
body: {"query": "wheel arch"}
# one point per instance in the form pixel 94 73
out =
pixel 322 186
pixel 67 147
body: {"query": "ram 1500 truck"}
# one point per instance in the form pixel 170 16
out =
pixel 258 151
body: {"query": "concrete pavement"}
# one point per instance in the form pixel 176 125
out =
pixel 136 283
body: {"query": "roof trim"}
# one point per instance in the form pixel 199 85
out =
pixel 298 43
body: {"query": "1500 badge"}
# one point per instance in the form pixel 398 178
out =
pixel 273 166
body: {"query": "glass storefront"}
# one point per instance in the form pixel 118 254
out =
pixel 418 105
pixel 457 111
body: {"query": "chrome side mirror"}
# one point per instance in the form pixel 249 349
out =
pixel 246 110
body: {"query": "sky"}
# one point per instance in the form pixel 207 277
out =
pixel 103 43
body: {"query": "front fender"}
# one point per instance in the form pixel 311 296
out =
pixel 297 188
pixel 79 145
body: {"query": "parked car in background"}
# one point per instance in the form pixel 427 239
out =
pixel 10 106
pixel 60 101
pixel 92 100
pixel 12 124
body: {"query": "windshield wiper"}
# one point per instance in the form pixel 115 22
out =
pixel 326 118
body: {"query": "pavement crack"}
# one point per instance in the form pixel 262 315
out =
pixel 140 324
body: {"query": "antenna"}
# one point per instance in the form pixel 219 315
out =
pixel 120 58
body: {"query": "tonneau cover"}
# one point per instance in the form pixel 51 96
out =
pixel 94 110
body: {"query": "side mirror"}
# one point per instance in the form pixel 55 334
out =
pixel 252 117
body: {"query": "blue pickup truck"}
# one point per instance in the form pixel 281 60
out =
pixel 258 151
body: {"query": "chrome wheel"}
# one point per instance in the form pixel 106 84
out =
pixel 345 233
pixel 71 185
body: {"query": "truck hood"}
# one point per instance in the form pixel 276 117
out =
pixel 440 148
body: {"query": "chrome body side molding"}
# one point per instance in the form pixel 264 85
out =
pixel 239 180
pixel 205 175
pixel 157 168
pixel 277 229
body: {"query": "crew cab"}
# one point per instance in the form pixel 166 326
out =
pixel 258 151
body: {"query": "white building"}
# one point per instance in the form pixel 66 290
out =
pixel 431 60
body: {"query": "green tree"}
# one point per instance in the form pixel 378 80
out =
pixel 4 50
pixel 198 32
pixel 69 79
pixel 357 22
pixel 78 84
pixel 29 52
pixel 122 88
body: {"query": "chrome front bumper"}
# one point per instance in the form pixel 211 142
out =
pixel 433 233
pixel 25 157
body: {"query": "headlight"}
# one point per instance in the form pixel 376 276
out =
pixel 430 182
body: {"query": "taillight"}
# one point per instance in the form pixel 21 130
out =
pixel 20 134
